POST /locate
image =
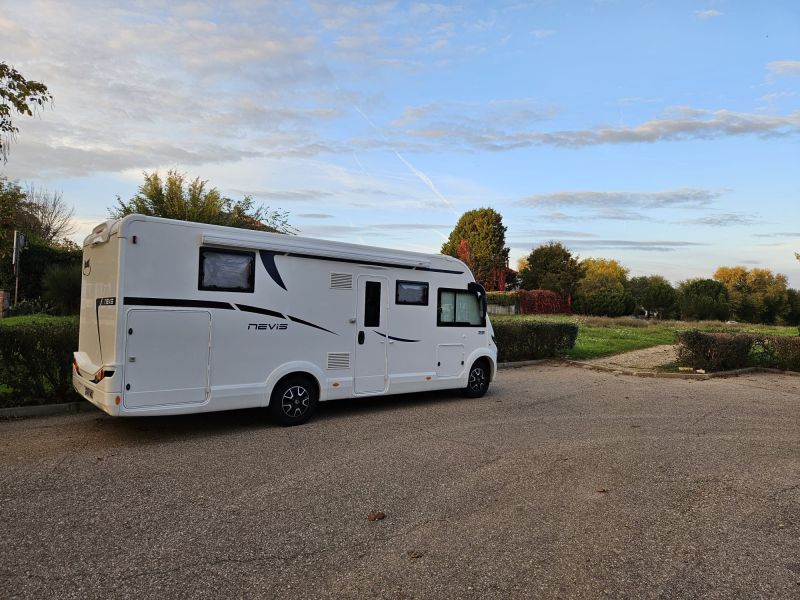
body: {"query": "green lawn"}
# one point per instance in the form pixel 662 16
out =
pixel 601 336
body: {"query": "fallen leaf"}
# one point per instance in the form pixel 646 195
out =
pixel 602 491
pixel 376 515
pixel 415 554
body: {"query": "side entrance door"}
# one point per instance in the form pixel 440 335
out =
pixel 371 323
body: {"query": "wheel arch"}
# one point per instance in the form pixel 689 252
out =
pixel 295 369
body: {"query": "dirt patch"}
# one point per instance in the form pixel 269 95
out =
pixel 646 359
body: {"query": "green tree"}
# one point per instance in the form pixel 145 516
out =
pixel 654 294
pixel 177 197
pixel 602 291
pixel 42 217
pixel 703 299
pixel 756 295
pixel 479 239
pixel 551 266
pixel 21 96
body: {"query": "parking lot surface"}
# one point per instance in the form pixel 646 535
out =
pixel 561 482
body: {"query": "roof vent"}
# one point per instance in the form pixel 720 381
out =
pixel 341 281
pixel 338 360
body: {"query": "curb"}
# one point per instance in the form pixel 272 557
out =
pixel 522 363
pixel 696 376
pixel 45 410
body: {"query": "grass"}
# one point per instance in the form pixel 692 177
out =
pixel 602 336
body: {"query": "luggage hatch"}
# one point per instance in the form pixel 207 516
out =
pixel 166 357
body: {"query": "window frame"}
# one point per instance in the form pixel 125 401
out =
pixel 251 278
pixel 439 322
pixel 402 303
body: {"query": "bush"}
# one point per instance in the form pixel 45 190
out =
pixel 725 351
pixel 35 356
pixel 524 339
pixel 541 302
pixel 714 351
pixel 62 288
pixel 502 298
pixel 605 303
pixel 781 352
pixel 29 307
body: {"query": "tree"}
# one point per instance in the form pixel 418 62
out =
pixel 552 267
pixel 43 217
pixel 20 95
pixel 654 294
pixel 602 291
pixel 52 216
pixel 480 237
pixel 176 197
pixel 703 299
pixel 756 295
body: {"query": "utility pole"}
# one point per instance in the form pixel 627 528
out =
pixel 19 244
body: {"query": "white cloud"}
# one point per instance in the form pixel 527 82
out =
pixel 708 13
pixel 784 67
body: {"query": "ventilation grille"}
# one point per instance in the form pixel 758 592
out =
pixel 338 360
pixel 341 281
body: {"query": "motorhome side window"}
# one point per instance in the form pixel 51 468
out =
pixel 227 270
pixel 372 304
pixel 411 292
pixel 459 308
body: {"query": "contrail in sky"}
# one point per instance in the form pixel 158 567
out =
pixel 419 174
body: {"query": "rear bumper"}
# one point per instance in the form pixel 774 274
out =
pixel 102 399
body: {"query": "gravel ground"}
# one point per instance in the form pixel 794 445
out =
pixel 646 359
pixel 562 482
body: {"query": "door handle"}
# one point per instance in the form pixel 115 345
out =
pixel 360 337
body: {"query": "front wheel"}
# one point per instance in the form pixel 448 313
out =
pixel 478 381
pixel 294 401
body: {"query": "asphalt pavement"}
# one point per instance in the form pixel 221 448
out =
pixel 561 482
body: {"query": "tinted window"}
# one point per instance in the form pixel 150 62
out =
pixel 226 270
pixel 372 304
pixel 412 292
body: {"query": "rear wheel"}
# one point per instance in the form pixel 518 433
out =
pixel 478 381
pixel 294 401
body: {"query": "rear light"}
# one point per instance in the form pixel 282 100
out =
pixel 75 365
pixel 98 377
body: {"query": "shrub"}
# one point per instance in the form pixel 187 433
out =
pixel 36 354
pixel 525 339
pixel 541 302
pixel 714 351
pixel 502 298
pixel 62 288
pixel 605 302
pixel 29 307
pixel 781 352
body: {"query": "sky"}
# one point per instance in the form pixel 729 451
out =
pixel 661 134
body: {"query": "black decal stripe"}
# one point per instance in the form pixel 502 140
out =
pixel 368 262
pixel 260 311
pixel 135 301
pixel 396 339
pixel 268 260
pixel 97 317
pixel 302 322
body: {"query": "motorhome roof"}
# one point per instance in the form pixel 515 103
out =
pixel 219 235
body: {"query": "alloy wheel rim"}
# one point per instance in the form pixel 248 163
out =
pixel 295 401
pixel 477 379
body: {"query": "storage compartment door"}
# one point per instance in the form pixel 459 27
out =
pixel 449 360
pixel 166 357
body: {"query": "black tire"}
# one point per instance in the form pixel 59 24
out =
pixel 294 401
pixel 478 381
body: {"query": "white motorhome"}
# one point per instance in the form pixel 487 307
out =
pixel 180 317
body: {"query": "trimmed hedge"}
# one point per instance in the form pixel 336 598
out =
pixel 725 351
pixel 524 339
pixel 531 302
pixel 36 357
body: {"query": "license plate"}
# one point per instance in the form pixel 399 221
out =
pixel 88 392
